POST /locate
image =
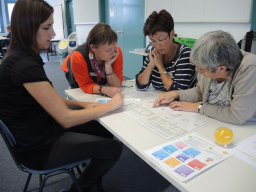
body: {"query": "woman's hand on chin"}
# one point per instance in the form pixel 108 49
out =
pixel 109 63
pixel 151 61
pixel 158 58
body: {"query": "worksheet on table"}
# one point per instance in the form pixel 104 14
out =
pixel 167 126
pixel 246 150
pixel 188 156
pixel 172 124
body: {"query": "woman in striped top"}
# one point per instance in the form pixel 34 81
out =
pixel 167 67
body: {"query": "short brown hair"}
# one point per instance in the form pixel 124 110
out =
pixel 8 27
pixel 157 22
pixel 27 16
pixel 101 33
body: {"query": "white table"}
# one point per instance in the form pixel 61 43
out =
pixel 139 53
pixel 231 175
pixel 4 38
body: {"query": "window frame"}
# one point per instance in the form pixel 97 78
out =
pixel 6 2
pixel 1 19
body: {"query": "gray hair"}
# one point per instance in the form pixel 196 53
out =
pixel 214 49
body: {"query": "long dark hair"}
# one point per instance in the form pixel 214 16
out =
pixel 27 16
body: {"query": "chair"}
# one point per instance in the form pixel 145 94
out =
pixel 5 46
pixel 4 50
pixel 10 142
pixel 248 43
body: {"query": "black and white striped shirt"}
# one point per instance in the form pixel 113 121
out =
pixel 180 70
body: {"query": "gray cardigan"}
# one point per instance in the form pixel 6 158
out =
pixel 242 94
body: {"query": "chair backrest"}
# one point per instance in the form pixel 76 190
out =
pixel 7 135
pixel 248 43
pixel 10 142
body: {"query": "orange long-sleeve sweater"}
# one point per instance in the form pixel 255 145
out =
pixel 81 72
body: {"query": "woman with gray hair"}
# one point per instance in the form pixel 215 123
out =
pixel 226 81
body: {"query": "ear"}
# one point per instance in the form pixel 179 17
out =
pixel 223 68
pixel 172 33
pixel 92 47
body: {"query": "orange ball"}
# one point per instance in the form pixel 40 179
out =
pixel 223 136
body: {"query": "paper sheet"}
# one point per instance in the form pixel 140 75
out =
pixel 126 102
pixel 188 156
pixel 246 150
pixel 172 124
pixel 140 109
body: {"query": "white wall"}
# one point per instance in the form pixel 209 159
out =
pixel 192 30
pixel 60 2
pixel 86 15
pixel 4 18
pixel 83 31
pixel 51 2
pixel 197 29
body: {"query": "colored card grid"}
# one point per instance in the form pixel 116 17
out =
pixel 191 152
pixel 170 149
pixel 172 162
pixel 184 171
pixel 187 160
pixel 161 154
pixel 182 157
pixel 198 165
pixel 181 145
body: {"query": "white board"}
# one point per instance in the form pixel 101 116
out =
pixel 58 22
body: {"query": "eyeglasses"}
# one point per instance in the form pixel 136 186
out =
pixel 159 41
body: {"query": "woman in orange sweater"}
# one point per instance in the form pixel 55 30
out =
pixel 95 63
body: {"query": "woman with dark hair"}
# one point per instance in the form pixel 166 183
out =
pixel 167 67
pixel 38 118
pixel 226 81
pixel 95 63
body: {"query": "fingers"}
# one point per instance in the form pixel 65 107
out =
pixel 118 98
pixel 116 102
pixel 181 106
pixel 155 53
pixel 118 95
pixel 174 104
pixel 117 90
pixel 151 56
pixel 158 101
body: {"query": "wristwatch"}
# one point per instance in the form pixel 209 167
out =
pixel 199 107
pixel 163 73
